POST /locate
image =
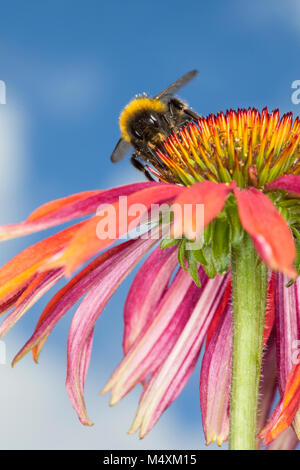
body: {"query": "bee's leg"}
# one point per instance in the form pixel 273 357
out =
pixel 139 166
pixel 190 113
pixel 177 105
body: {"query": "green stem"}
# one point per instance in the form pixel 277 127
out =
pixel 249 289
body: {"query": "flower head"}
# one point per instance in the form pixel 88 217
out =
pixel 242 168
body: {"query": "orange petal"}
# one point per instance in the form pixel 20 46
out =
pixel 270 233
pixel 15 273
pixel 86 243
pixel 286 409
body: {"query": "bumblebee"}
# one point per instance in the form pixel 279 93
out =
pixel 146 122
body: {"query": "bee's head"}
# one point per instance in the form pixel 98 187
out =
pixel 141 118
pixel 144 125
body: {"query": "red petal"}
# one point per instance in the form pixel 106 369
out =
pixel 270 310
pixel 270 233
pixel 211 195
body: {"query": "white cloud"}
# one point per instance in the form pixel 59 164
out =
pixel 12 160
pixel 35 413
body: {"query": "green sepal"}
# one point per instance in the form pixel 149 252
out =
pixel 208 233
pixel 209 268
pixel 221 245
pixel 181 253
pixel 236 229
pixel 193 268
pixel 199 256
pixel 167 242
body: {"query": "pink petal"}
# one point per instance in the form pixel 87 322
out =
pixel 146 291
pixel 287 314
pixel 81 330
pixel 219 312
pixel 290 183
pixel 168 381
pixel 287 322
pixel 215 381
pixel 270 233
pixel 158 336
pixel 68 208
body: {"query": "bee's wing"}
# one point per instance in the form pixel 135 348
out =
pixel 120 151
pixel 174 87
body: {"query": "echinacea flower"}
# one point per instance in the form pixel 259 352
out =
pixel 243 168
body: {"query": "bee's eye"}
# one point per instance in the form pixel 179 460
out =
pixel 153 120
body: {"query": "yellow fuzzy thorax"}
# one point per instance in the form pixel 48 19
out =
pixel 136 105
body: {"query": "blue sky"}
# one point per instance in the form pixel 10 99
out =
pixel 69 68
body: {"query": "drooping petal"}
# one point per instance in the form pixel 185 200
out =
pixel 219 312
pixel 286 409
pixel 270 233
pixel 157 338
pixel 187 219
pixel 267 387
pixel 168 381
pixel 83 323
pixel 287 314
pixel 66 297
pixel 9 301
pixel 215 381
pixel 270 310
pixel 146 291
pixel 68 208
pixel 15 274
pixel 89 241
pixel 287 440
pixel 35 290
pixel 290 183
